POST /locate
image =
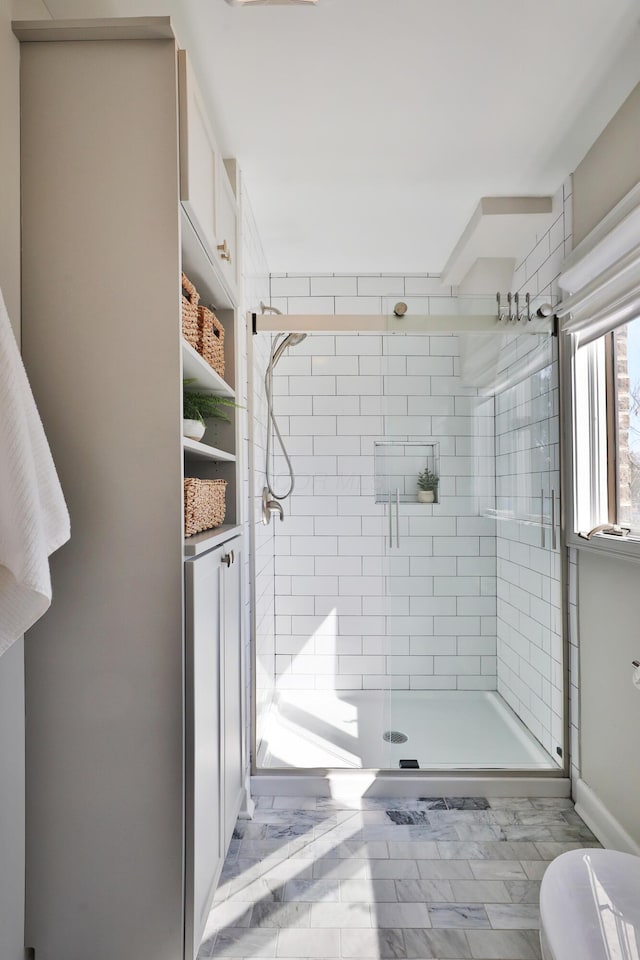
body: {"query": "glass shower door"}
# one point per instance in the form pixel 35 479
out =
pixel 466 475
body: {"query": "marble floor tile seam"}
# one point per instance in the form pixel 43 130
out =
pixel 405 825
pixel 298 909
pixel 457 832
pixel 416 847
pixel 360 944
pixel 376 803
pixel 340 850
pixel 239 877
pixel 412 803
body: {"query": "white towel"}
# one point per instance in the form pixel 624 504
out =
pixel 34 520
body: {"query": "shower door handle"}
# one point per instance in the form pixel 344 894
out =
pixel 397 518
pixel 542 537
pixel 390 520
pixel 553 520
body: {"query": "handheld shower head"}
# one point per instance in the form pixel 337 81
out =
pixel 281 343
pixel 292 340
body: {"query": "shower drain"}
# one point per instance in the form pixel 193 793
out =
pixel 394 736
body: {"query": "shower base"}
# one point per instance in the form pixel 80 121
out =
pixel 444 730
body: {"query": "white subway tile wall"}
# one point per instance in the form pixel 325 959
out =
pixel 350 613
pixel 530 646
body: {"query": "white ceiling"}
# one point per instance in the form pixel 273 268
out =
pixel 367 130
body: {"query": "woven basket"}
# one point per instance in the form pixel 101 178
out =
pixel 211 339
pixel 190 301
pixel 204 504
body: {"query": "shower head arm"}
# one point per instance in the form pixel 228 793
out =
pixel 265 308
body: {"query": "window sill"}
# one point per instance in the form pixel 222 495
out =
pixel 624 548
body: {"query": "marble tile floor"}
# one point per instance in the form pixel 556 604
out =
pixel 429 879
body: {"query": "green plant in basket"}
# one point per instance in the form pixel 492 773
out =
pixel 198 407
pixel 427 486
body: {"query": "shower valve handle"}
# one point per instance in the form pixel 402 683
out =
pixel 270 506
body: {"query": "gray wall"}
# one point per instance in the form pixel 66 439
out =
pixel 610 707
pixel 610 722
pixel 609 170
pixel 12 663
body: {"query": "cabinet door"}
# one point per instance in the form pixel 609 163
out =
pixel 204 843
pixel 232 693
pixel 200 163
pixel 227 221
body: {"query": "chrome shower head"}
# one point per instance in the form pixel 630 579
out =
pixel 294 339
pixel 291 340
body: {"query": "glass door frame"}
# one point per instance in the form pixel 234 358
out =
pixel 454 324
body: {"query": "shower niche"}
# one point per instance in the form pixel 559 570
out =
pixel 399 464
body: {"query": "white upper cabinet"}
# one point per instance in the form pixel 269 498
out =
pixel 206 191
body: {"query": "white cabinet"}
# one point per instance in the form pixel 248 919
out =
pixel 206 191
pixel 214 755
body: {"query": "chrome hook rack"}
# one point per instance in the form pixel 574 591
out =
pixel 514 313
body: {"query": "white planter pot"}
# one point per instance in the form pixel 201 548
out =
pixel 193 429
pixel 426 496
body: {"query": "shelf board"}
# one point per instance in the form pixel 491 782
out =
pixel 194 367
pixel 202 451
pixel 201 542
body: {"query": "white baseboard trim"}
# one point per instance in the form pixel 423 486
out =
pixel 356 784
pixel 599 818
pixel 247 807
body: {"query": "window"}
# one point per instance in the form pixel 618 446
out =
pixel 624 404
pixel 600 322
pixel 606 456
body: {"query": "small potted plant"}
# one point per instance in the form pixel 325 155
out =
pixel 427 486
pixel 198 407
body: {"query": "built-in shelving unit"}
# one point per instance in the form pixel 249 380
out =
pixel 154 643
pixel 215 457
pixel 202 451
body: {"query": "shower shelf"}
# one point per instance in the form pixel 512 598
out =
pixel 202 451
pixel 397 465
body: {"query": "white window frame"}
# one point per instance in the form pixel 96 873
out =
pixel 583 369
